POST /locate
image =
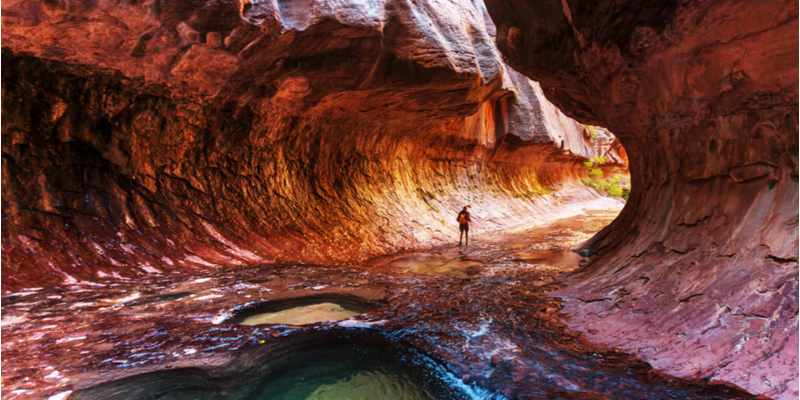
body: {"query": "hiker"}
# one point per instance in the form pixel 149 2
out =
pixel 463 225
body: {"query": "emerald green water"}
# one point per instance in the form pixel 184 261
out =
pixel 340 364
pixel 343 373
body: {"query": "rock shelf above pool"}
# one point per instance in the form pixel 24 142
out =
pixel 300 310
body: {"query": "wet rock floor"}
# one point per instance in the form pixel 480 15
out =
pixel 481 310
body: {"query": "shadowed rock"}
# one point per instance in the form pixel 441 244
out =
pixel 698 275
pixel 134 142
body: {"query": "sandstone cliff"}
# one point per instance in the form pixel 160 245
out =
pixel 146 137
pixel 699 273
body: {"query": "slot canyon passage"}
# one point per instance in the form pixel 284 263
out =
pixel 187 186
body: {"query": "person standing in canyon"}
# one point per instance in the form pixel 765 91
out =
pixel 463 225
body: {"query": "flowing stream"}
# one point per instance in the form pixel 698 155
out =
pixel 460 322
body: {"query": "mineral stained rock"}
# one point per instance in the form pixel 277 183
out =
pixel 497 332
pixel 160 136
pixel 699 274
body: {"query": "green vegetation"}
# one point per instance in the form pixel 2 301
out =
pixel 537 191
pixel 593 130
pixel 541 191
pixel 594 162
pixel 618 186
pixel 425 194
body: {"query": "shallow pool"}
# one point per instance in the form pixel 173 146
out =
pixel 320 365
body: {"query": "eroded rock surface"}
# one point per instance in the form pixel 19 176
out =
pixel 699 275
pixel 497 331
pixel 173 136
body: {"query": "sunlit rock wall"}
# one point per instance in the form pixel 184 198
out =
pixel 152 137
pixel 698 275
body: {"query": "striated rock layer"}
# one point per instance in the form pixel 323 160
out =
pixel 168 136
pixel 699 274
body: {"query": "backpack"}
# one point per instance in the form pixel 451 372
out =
pixel 462 217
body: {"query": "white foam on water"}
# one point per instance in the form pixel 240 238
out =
pixel 484 329
pixel 472 391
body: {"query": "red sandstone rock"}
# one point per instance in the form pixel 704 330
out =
pixel 145 138
pixel 699 273
pixel 493 330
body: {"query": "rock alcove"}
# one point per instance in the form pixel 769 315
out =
pixel 216 153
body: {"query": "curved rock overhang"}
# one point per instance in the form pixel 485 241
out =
pixel 144 137
pixel 699 274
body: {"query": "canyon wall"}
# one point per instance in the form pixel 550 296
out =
pixel 167 136
pixel 699 274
